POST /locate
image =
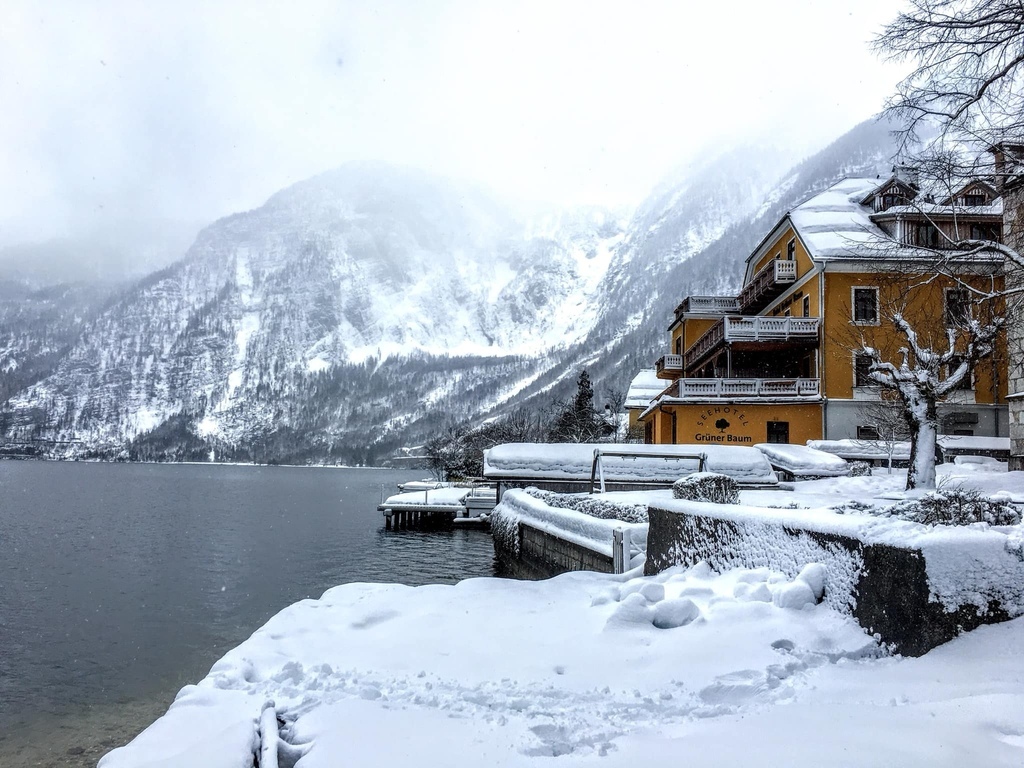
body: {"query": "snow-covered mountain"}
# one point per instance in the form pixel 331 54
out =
pixel 363 308
pixel 330 278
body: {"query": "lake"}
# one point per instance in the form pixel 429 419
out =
pixel 123 582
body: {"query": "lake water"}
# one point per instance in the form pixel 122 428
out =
pixel 120 583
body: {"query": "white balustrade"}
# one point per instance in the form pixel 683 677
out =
pixel 700 388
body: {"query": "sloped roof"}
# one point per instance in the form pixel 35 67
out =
pixel 833 223
pixel 644 387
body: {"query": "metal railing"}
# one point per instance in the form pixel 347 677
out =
pixel 597 467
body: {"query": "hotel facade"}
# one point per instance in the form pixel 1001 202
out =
pixel 779 361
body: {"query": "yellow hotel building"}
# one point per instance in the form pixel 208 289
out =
pixel 778 361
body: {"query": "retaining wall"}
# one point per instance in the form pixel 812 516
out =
pixel 913 587
pixel 542 555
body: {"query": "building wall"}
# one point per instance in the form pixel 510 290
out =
pixel 926 308
pixel 737 424
pixel 842 417
pixel 778 247
pixel 1013 236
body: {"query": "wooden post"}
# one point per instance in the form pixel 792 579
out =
pixel 387 520
pixel 620 550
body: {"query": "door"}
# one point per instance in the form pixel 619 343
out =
pixel 778 431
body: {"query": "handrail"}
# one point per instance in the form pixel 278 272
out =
pixel 701 458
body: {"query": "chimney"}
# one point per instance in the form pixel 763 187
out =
pixel 908 174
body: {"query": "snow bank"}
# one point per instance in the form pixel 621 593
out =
pixel 573 461
pixel 595 669
pixel 494 672
pixel 804 461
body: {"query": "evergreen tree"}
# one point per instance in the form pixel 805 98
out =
pixel 577 421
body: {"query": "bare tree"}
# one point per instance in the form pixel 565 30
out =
pixel 966 87
pixel 968 57
pixel 890 424
pixel 927 374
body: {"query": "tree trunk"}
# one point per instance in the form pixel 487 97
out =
pixel 924 423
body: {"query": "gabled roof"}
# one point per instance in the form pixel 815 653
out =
pixel 948 199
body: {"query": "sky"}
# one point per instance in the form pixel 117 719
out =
pixel 119 111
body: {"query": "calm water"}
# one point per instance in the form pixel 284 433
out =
pixel 121 583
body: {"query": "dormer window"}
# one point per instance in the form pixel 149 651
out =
pixel 889 201
pixel 973 200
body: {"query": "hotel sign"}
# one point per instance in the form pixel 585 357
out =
pixel 722 424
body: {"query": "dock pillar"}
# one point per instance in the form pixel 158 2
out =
pixel 387 520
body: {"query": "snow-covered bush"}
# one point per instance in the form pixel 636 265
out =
pixel 860 468
pixel 707 486
pixel 595 506
pixel 855 507
pixel 955 506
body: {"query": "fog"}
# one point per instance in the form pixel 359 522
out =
pixel 184 112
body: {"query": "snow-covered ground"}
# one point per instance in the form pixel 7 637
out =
pixel 505 673
pixel 732 669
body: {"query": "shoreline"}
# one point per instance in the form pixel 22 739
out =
pixel 79 739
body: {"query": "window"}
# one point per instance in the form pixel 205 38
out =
pixel 975 199
pixel 867 433
pixel 984 232
pixel 807 306
pixel 778 431
pixel 791 250
pixel 927 236
pixel 862 370
pixel 958 306
pixel 966 383
pixel 865 305
pixel 678 349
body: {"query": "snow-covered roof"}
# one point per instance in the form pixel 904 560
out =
pixel 644 387
pixel 833 223
pixel 573 461
pixel 804 461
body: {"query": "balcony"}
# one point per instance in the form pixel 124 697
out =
pixel 768 283
pixel 752 388
pixel 751 329
pixel 669 367
pixel 710 305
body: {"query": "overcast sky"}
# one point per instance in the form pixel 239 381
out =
pixel 112 110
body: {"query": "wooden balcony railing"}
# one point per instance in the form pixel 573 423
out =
pixel 669 367
pixel 712 305
pixel 756 328
pixel 766 284
pixel 703 388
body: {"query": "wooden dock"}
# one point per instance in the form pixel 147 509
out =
pixel 465 507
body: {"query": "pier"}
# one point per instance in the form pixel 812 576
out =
pixel 465 506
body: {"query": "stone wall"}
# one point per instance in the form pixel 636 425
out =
pixel 885 587
pixel 542 555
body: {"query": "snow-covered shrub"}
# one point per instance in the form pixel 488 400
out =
pixel 955 506
pixel 595 506
pixel 707 486
pixel 860 468
pixel 854 507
